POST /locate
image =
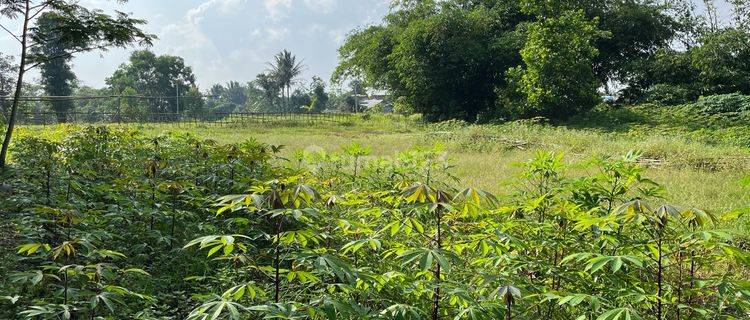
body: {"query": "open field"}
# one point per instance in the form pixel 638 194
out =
pixel 236 209
pixel 704 163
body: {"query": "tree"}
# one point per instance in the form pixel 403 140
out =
pixel 319 94
pixel 81 28
pixel 356 90
pixel 300 100
pixel 155 76
pixel 57 76
pixel 558 79
pixel 445 59
pixel 723 61
pixel 235 93
pixel 637 30
pixel 229 98
pixel 741 14
pixel 7 81
pixel 285 69
pixel 269 86
pixel 449 59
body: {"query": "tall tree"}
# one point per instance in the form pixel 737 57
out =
pixel 286 69
pixel 235 93
pixel 269 86
pixel 741 13
pixel 319 94
pixel 81 28
pixel 723 60
pixel 449 58
pixel 57 76
pixel 155 76
pixel 558 78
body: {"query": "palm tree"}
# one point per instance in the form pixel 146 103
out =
pixel 235 93
pixel 286 69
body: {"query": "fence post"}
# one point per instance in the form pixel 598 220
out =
pixel 119 106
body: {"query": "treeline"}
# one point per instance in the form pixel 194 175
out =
pixel 150 83
pixel 487 59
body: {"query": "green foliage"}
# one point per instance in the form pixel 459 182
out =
pixel 284 70
pixel 97 190
pixel 156 76
pixel 319 95
pixel 715 65
pixel 558 79
pixel 722 104
pixel 449 64
pixel 57 77
pixel 668 95
pixel 450 59
pixel 349 236
pixel 80 30
pixel 722 60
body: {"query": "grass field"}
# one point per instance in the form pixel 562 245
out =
pixel 703 163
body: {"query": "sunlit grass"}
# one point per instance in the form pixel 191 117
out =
pixel 698 167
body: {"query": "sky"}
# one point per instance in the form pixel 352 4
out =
pixel 227 40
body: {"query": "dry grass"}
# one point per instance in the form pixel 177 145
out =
pixel 710 175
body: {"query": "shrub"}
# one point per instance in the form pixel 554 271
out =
pixel 560 84
pixel 668 94
pixel 401 106
pixel 722 103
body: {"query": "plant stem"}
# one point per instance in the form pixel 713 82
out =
pixel 47 184
pixel 277 260
pixel 508 303
pixel 438 244
pixel 17 93
pixel 659 275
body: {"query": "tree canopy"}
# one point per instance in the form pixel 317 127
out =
pixel 459 58
pixel 81 29
pixel 155 76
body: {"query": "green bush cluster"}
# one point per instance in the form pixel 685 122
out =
pixel 668 95
pixel 722 103
pixel 111 224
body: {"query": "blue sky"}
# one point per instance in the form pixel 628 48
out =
pixel 227 40
pixel 233 39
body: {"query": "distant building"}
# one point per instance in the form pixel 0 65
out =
pixel 381 101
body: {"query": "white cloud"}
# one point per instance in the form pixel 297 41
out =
pixel 322 6
pixel 312 30
pixel 277 8
pixel 188 39
pixel 277 34
pixel 338 35
pixel 233 39
pixel 195 15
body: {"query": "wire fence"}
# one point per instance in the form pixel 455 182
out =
pixel 218 118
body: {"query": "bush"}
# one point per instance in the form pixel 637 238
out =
pixel 562 84
pixel 722 103
pixel 668 94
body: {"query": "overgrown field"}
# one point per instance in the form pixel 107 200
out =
pixel 702 160
pixel 608 217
